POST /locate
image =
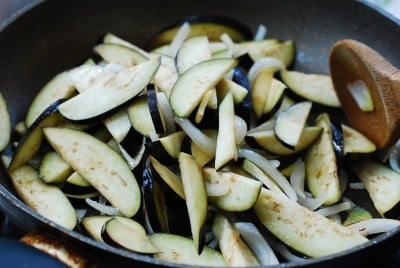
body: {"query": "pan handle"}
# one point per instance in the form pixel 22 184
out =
pixel 45 242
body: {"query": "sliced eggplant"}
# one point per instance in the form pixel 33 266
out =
pixel 195 82
pixel 94 225
pixel 290 123
pixel 30 142
pixel 110 38
pixel 322 174
pixel 302 229
pixel 226 140
pixel 129 234
pixel 196 197
pixel 140 116
pixel 315 87
pixel 49 201
pixel 53 169
pixel 167 148
pixel 242 191
pixel 238 92
pixel 118 125
pixel 59 87
pixel 233 248
pixel 155 113
pixel 5 127
pixel 100 165
pixel 275 94
pixel 166 75
pixel 356 214
pixel 169 177
pixel 209 25
pixel 356 142
pixel 259 91
pixel 267 139
pixel 119 54
pixel 193 51
pixel 179 249
pixel 99 100
pixel 382 184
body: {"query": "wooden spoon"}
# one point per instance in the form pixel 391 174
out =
pixel 354 62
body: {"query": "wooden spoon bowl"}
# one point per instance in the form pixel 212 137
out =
pixel 352 61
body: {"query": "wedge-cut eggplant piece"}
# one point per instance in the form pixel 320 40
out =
pixel 196 197
pixel 315 87
pixel 77 180
pixel 5 127
pixel 242 194
pixel 238 92
pixel 128 234
pixel 155 113
pixel 226 140
pixel 140 117
pixel 322 174
pixel 30 142
pixel 199 154
pixel 259 91
pixel 290 123
pixel 275 93
pixel 166 75
pixel 110 38
pixel 255 49
pixel 193 51
pixel 59 87
pixel 356 142
pixel 182 250
pixel 99 100
pixel 209 25
pixel 302 229
pixel 49 201
pixel 53 169
pixel 118 125
pixel 233 248
pixel 167 148
pixel 169 177
pixel 337 140
pixel 100 165
pixel 195 82
pixel 357 214
pixel 119 54
pixel 94 225
pixel 382 184
pixel 267 139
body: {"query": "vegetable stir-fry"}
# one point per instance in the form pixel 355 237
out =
pixel 205 148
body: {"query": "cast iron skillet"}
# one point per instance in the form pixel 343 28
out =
pixel 56 35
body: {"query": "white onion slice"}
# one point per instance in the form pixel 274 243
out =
pixel 261 33
pixel 297 178
pixel 357 185
pixel 272 171
pixel 240 129
pixel 313 203
pixel 103 209
pixel 207 144
pixel 394 156
pixel 262 64
pixel 179 38
pixel 257 243
pixel 287 254
pixel 374 226
pixel 334 209
pixel 229 43
pixel 166 111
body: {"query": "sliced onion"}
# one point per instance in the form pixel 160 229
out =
pixel 103 209
pixel 272 171
pixel 240 129
pixel 374 226
pixel 357 185
pixel 206 143
pixel 262 64
pixel 179 38
pixel 80 213
pixel 334 209
pixel 313 203
pixel 297 178
pixel 229 43
pixel 287 254
pixel 335 218
pixel 166 111
pixel 261 33
pixel 257 243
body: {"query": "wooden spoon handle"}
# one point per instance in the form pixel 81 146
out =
pixel 352 61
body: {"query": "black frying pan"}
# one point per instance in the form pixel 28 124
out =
pixel 57 35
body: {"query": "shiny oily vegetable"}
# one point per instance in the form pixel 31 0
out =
pixel 195 147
